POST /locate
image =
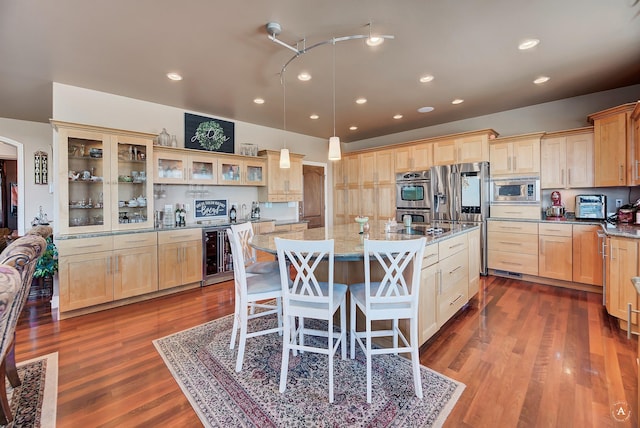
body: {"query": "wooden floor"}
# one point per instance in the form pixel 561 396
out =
pixel 530 356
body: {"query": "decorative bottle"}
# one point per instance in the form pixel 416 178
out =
pixel 232 214
pixel 183 216
pixel 177 215
pixel 164 138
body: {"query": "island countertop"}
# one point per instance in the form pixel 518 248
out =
pixel 349 243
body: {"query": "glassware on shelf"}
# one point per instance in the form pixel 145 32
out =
pixel 164 138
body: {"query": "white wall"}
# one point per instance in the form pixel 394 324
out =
pixel 32 137
pixel 559 115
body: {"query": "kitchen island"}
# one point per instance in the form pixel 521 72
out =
pixel 450 268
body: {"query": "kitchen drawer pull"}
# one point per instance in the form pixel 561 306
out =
pixel 513 212
pixel 455 300
pixel 511 227
pixel 86 246
pixel 452 271
pixel 451 247
pixel 511 243
pixel 511 263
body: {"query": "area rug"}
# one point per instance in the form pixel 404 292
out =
pixel 203 365
pixel 33 404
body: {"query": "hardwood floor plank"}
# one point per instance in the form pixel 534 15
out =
pixel 530 355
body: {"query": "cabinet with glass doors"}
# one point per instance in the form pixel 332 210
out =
pixel 104 179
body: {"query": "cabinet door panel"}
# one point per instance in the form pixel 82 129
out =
pixel 427 312
pixel 191 262
pixel 553 163
pixel 554 260
pixel 580 160
pixel 500 158
pixel 136 272
pixel 526 156
pixel 587 262
pixel 610 150
pixel 85 280
pixel 622 265
pixel 169 270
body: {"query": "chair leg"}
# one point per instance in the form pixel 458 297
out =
pixel 395 334
pixel 287 335
pixel 343 330
pixel 279 305
pixel 236 316
pixel 10 365
pixel 331 346
pixel 5 409
pixel 352 327
pixel 415 357
pixel 243 338
pixel 368 336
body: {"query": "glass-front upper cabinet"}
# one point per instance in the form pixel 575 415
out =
pixel 203 169
pixel 102 179
pixel 170 166
pixel 256 172
pixel 239 171
pixel 130 171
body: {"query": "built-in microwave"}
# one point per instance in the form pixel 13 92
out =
pixel 515 190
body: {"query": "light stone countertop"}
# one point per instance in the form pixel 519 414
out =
pixel 349 243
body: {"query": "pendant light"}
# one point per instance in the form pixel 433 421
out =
pixel 285 162
pixel 334 142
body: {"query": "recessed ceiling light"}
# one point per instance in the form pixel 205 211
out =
pixel 361 100
pixel 304 76
pixel 314 116
pixel 528 44
pixel 540 80
pixel 397 116
pixel 374 41
pixel 457 101
pixel 259 101
pixel 353 128
pixel 425 109
pixel 426 78
pixel 174 76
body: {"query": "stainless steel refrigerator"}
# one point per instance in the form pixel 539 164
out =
pixel 461 194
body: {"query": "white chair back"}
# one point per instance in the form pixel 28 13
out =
pixel 239 271
pixel 399 287
pixel 244 232
pixel 305 257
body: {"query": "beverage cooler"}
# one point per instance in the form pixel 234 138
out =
pixel 218 261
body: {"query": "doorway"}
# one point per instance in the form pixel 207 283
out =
pixel 313 188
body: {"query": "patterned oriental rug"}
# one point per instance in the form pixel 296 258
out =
pixel 203 365
pixel 33 404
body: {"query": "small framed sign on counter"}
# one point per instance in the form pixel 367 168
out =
pixel 210 209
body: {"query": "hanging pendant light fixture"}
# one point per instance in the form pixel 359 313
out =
pixel 334 142
pixel 285 161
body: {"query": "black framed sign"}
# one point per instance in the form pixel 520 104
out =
pixel 205 133
pixel 210 209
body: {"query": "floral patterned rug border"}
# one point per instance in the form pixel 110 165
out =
pixel 203 365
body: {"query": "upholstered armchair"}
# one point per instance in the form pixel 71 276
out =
pixel 22 254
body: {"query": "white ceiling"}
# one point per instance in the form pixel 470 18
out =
pixel 221 48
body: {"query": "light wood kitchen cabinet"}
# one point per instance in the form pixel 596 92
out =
pixel 474 262
pixel 247 171
pixel 513 246
pixel 634 140
pixel 99 270
pixel 587 261
pixel 473 148
pixel 621 265
pixel 183 166
pixel 518 155
pixel 555 257
pixel 179 257
pixel 415 157
pixel 567 159
pixel 290 227
pixel 283 184
pixel 516 211
pixel 102 179
pixel 377 185
pixel 611 138
pixel 453 284
pixel 427 314
pixel 377 167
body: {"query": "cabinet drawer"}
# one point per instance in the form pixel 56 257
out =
pixel 514 262
pixel 454 269
pixel 282 228
pixel 516 211
pixel 555 229
pixel 512 242
pixel 513 227
pixel 68 247
pixel 452 245
pixel 299 226
pixel 170 236
pixel 430 255
pixel 135 240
